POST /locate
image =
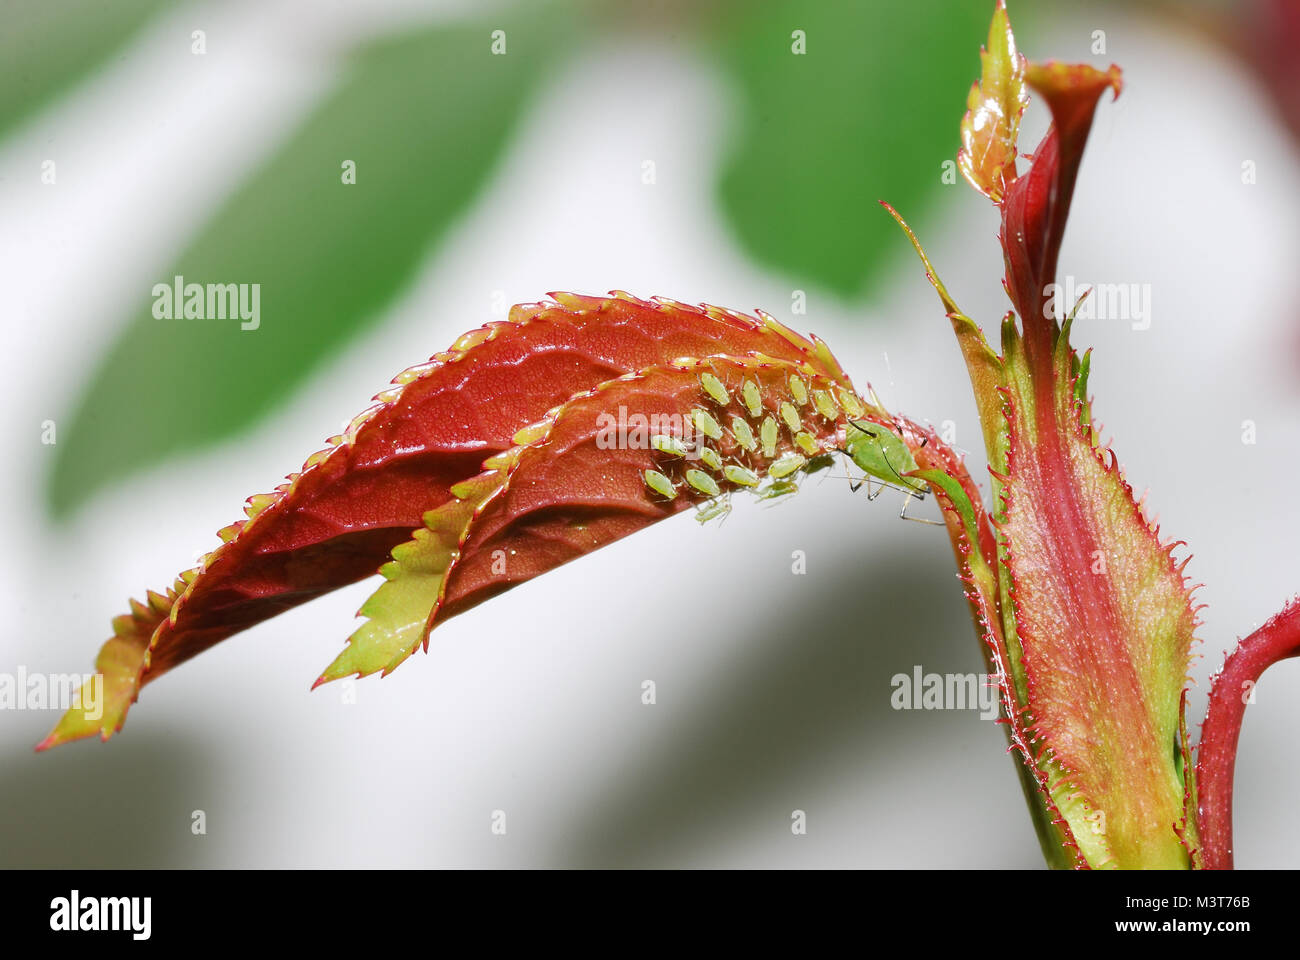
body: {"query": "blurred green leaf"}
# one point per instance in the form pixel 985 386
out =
pixel 424 116
pixel 46 46
pixel 869 112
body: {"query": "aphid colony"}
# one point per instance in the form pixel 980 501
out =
pixel 758 425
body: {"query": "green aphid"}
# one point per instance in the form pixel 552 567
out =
pixel 714 388
pixel 791 416
pixel 798 391
pixel 768 433
pixel 753 399
pixel 702 482
pixel 787 465
pixel 779 488
pixel 882 454
pixel 740 476
pixel 706 424
pixel 807 443
pixel 744 436
pixel 669 445
pixel 826 404
pixel 851 404
pixel 711 458
pixel 711 510
pixel 660 484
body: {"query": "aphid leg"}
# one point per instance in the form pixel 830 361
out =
pixel 857 484
pixel 720 507
pixel 882 485
pixel 902 514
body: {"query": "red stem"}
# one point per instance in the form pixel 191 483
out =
pixel 1276 640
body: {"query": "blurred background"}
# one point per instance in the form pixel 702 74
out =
pixel 675 148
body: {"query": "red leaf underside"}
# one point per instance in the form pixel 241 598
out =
pixel 340 518
pixel 566 496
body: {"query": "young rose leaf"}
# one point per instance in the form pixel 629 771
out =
pixel 581 484
pixel 397 611
pixel 991 127
pixel 412 463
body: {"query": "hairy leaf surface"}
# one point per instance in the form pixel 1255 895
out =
pixel 407 472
